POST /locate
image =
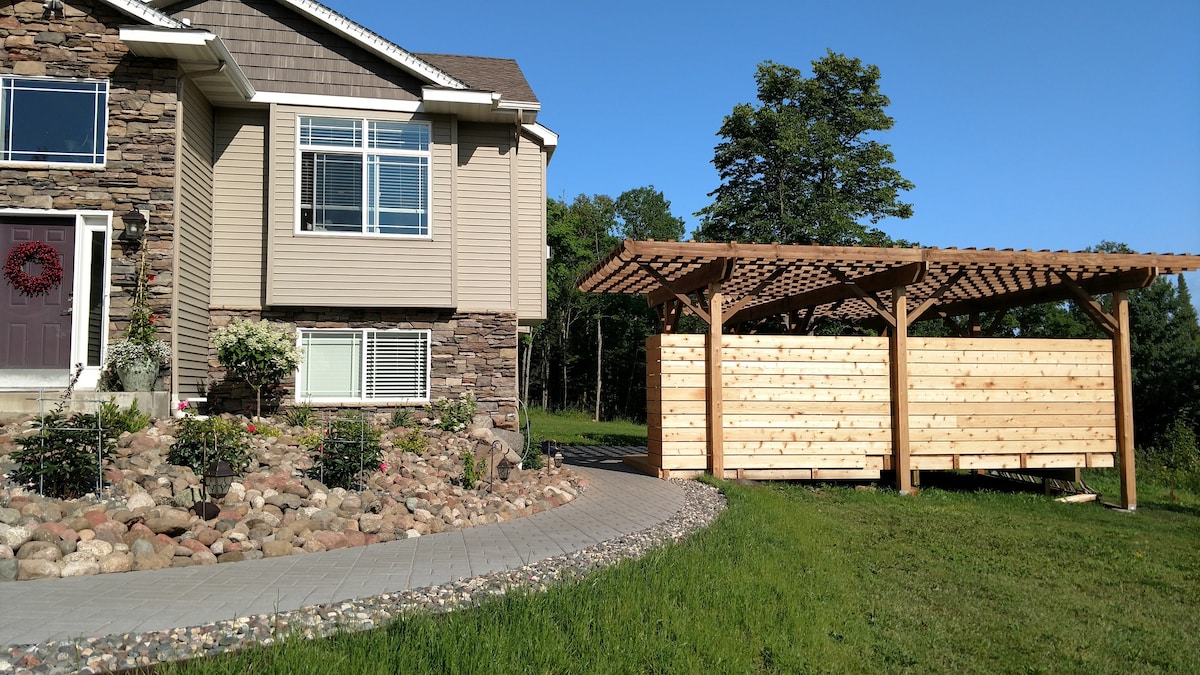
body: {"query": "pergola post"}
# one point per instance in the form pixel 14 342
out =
pixel 1123 385
pixel 898 348
pixel 714 389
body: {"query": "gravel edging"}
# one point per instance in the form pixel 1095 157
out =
pixel 117 652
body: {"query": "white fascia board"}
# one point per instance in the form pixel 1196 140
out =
pixel 194 38
pixel 548 138
pixel 532 106
pixel 141 10
pixel 374 42
pixel 434 95
pixel 348 102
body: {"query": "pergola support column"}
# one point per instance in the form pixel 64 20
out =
pixel 1123 385
pixel 714 388
pixel 898 372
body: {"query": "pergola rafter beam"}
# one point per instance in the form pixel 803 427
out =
pixel 902 275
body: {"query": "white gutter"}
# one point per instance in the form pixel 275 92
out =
pixel 140 10
pixel 490 99
pixel 194 38
pixel 548 138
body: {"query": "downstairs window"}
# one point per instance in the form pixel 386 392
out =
pixel 363 364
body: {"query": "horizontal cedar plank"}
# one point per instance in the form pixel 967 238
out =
pixel 1061 461
pixel 802 462
pixel 1012 434
pixel 1009 370
pixel 806 421
pixel 1101 460
pixel 989 461
pixel 959 356
pixel 969 421
pixel 931 462
pixel 782 447
pixel 846 474
pixel 1015 408
pixel 1005 395
pixel 1024 447
pixel 767 381
pixel 773 474
pixel 780 435
pixel 773 407
pixel 1018 382
pixel 803 341
pixel 1007 344
pixel 792 369
pixel 781 355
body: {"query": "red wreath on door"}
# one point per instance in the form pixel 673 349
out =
pixel 38 252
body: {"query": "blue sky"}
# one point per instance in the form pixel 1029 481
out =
pixel 1023 124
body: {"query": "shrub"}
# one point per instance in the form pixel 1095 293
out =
pixel 453 415
pixel 1177 457
pixel 473 470
pixel 198 440
pixel 120 420
pixel 257 352
pixel 402 417
pixel 63 459
pixel 414 441
pixel 349 450
pixel 300 416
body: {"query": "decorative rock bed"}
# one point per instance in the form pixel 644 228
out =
pixel 142 520
pixel 121 652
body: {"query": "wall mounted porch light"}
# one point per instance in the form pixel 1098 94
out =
pixel 137 223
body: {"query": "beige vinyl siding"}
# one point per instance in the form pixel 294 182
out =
pixel 195 247
pixel 484 214
pixel 351 270
pixel 238 208
pixel 531 231
pixel 282 51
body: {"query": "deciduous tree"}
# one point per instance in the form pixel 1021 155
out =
pixel 800 167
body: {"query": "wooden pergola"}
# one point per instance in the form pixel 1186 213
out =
pixel 730 284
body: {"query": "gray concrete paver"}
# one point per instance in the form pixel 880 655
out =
pixel 617 502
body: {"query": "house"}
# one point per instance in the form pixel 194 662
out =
pixel 288 164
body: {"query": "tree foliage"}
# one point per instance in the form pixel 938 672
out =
pixel 800 167
pixel 590 351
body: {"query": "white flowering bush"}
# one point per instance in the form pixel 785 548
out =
pixel 258 352
pixel 125 353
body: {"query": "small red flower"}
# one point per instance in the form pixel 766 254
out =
pixel 149 277
pixel 250 428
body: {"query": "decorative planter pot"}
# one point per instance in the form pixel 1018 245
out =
pixel 138 376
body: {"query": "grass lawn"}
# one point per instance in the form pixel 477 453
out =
pixel 802 579
pixel 577 428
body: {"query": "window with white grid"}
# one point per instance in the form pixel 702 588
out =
pixel 53 121
pixel 347 365
pixel 360 176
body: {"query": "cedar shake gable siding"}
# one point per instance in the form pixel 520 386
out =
pixel 282 51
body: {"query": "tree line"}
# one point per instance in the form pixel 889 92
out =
pixel 803 166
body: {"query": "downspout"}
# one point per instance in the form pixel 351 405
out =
pixel 181 82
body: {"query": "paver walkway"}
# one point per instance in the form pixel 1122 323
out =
pixel 617 502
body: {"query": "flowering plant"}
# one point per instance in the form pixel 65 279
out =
pixel 258 352
pixel 141 343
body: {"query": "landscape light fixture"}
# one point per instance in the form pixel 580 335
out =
pixel 503 469
pixel 218 477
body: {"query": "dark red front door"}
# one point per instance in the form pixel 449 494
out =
pixel 35 332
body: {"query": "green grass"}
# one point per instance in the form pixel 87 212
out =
pixel 577 428
pixel 795 579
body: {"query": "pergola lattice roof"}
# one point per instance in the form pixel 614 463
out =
pixel 849 282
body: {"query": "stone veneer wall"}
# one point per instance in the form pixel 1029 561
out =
pixel 474 352
pixel 140 165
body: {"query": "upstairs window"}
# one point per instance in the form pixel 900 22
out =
pixel 364 176
pixel 50 121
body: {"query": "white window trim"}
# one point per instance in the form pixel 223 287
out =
pixel 364 151
pixel 103 131
pixel 428 337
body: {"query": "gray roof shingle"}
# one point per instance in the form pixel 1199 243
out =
pixel 484 73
